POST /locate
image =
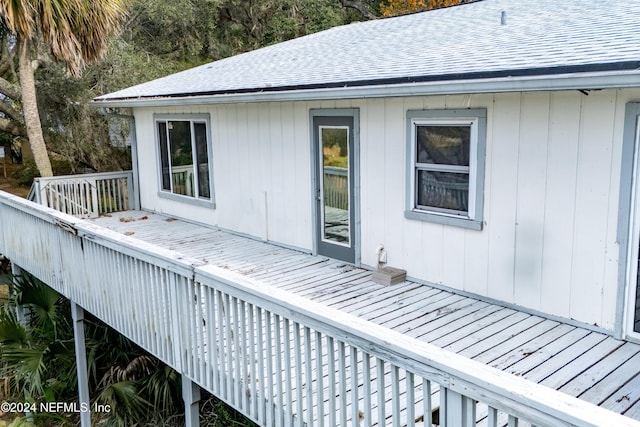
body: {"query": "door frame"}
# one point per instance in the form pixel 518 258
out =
pixel 355 184
pixel 628 235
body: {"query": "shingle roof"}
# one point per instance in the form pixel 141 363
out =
pixel 541 37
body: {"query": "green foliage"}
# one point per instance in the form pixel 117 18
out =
pixel 21 422
pixel 38 355
pixel 215 413
pixel 131 407
pixel 159 38
pixel 247 25
pixel 25 175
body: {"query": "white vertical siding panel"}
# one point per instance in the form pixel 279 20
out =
pixel 594 166
pixel 265 169
pixel 224 166
pixel 372 177
pixel 432 240
pixel 254 163
pixel 412 244
pixel 303 176
pixel 278 198
pixel 476 245
pixel 500 212
pixel 394 118
pixel 248 209
pixel 560 211
pixel 291 198
pixel 530 201
pixel 453 257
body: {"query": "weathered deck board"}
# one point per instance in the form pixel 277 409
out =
pixel 577 361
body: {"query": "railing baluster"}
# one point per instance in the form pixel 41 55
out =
pixel 380 389
pixel 298 361
pixel 262 394
pixel 104 198
pixel 288 371
pixel 411 405
pixel 513 421
pixel 395 395
pixel 253 359
pixel 221 344
pixel 279 373
pixel 228 340
pixel 246 358
pixel 355 401
pixel 113 194
pixel 426 401
pixel 331 354
pixel 308 374
pixel 319 378
pixel 269 359
pixel 367 390
pixel 468 411
pixel 212 353
pixel 342 383
pixel 237 353
pixel 200 372
pixel 492 417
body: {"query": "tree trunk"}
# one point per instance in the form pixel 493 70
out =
pixel 30 110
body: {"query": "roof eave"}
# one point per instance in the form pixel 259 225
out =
pixel 570 81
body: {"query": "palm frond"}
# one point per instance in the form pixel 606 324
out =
pixel 47 309
pixel 11 331
pixel 124 399
pixel 163 388
pixel 77 31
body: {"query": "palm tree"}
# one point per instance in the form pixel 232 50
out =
pixel 77 33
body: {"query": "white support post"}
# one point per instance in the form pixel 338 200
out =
pixel 191 397
pixel 77 314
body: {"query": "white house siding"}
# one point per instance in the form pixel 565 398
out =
pixel 261 170
pixel 551 202
pixel 550 199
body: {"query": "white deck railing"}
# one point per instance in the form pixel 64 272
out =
pixel 86 196
pixel 278 358
pixel 336 187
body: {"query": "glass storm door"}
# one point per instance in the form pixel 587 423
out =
pixel 333 152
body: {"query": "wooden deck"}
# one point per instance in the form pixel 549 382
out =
pixel 576 361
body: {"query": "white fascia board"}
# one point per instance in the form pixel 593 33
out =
pixel 582 81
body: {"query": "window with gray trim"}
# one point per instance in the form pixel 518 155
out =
pixel 184 157
pixel 446 166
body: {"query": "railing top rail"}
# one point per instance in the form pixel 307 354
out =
pixel 154 254
pixel 531 401
pixel 335 170
pixel 99 175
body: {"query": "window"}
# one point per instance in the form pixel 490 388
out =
pixel 184 153
pixel 446 166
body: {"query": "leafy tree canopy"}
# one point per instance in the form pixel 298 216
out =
pixel 158 38
pixel 401 7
